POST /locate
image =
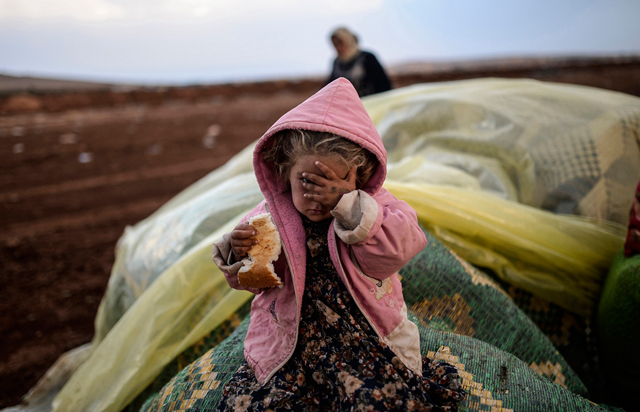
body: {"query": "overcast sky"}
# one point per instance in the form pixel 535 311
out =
pixel 199 41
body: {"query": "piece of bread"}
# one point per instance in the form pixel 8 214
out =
pixel 258 271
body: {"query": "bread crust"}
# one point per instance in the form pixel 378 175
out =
pixel 258 271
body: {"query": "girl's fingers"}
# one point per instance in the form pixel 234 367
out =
pixel 241 252
pixel 244 226
pixel 242 239
pixel 309 185
pixel 243 234
pixel 352 176
pixel 314 196
pixel 243 242
pixel 331 175
pixel 312 179
pixel 243 231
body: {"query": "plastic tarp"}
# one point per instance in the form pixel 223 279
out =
pixel 466 155
pixel 153 246
pixel 563 148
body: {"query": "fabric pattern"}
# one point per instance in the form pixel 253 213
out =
pixel 198 387
pixel 498 381
pixel 558 147
pixel 504 361
pixel 493 379
pixel 189 356
pixel 574 336
pixel 339 362
pixel 448 294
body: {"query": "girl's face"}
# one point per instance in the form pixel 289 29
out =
pixel 315 211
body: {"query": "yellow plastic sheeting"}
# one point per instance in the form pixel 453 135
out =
pixel 561 258
pixel 567 148
pixel 190 299
pixel 152 246
pixel 241 163
pixel 165 293
pixel 563 148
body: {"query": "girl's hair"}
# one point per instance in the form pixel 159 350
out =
pixel 292 144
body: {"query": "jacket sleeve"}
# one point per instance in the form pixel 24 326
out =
pixel 382 231
pixel 225 260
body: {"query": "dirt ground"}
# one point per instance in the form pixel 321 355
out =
pixel 70 183
pixel 78 168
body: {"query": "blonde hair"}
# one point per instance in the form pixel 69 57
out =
pixel 292 144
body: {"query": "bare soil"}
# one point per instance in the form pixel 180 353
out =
pixel 61 218
pixel 79 166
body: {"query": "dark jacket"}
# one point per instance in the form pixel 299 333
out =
pixel 364 72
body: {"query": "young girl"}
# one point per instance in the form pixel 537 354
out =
pixel 336 335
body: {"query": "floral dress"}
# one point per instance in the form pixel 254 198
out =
pixel 340 363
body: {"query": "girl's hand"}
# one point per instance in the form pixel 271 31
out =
pixel 242 239
pixel 328 190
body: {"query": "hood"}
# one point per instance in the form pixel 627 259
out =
pixel 336 109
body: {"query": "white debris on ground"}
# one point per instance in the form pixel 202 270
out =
pixel 68 138
pixel 209 139
pixel 18 148
pixel 85 157
pixel 17 131
pixel 155 149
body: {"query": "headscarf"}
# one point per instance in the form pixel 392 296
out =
pixel 349 39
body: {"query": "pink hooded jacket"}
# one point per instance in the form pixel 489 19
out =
pixel 372 236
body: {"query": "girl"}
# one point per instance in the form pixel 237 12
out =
pixel 336 335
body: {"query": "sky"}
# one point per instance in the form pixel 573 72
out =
pixel 216 41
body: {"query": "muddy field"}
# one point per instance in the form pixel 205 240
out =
pixel 78 167
pixel 70 183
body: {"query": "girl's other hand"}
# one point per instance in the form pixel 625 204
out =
pixel 329 189
pixel 242 239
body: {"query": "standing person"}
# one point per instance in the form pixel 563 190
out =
pixel 336 335
pixel 361 68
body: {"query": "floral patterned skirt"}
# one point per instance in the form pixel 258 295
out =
pixel 340 363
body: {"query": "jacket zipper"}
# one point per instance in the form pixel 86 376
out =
pixel 295 293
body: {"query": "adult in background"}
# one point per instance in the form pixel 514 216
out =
pixel 360 67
